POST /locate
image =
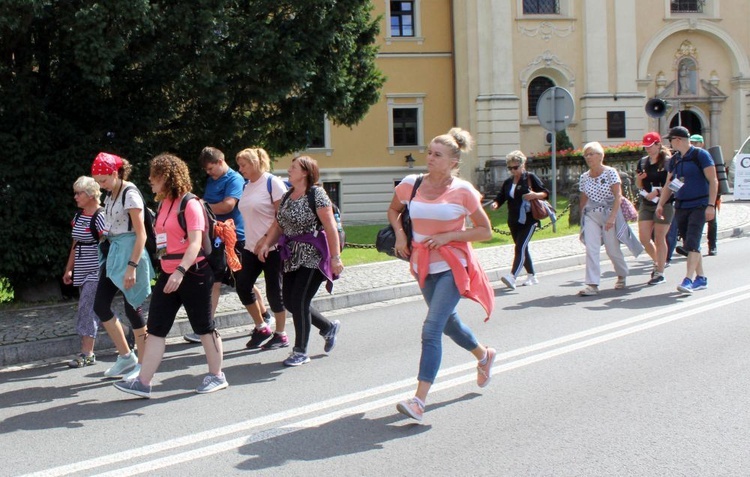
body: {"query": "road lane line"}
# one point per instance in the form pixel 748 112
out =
pixel 627 326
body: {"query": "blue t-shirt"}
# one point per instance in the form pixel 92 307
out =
pixel 689 169
pixel 228 185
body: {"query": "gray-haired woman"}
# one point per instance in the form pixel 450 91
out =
pixel 82 269
pixel 521 187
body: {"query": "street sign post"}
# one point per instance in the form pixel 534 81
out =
pixel 555 110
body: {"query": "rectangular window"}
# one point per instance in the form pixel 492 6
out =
pixel 402 19
pixel 544 7
pixel 333 189
pixel 316 136
pixel 405 127
pixel 687 6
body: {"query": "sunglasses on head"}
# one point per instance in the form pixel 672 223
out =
pixel 513 168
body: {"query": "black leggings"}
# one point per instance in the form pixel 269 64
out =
pixel 522 234
pixel 194 294
pixel 300 286
pixel 105 294
pixel 248 275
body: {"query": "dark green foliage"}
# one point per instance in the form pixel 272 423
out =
pixel 562 141
pixel 142 77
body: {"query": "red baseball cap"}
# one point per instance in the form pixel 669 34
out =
pixel 651 138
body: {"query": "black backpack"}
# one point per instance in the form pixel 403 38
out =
pixel 149 219
pixel 95 233
pixel 336 214
pixel 212 246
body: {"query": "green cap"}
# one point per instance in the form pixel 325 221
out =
pixel 696 138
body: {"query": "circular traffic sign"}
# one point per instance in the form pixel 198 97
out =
pixel 555 109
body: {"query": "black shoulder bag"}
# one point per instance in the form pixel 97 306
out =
pixel 386 240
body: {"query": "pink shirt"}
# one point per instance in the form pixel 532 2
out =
pixel 166 222
pixel 447 213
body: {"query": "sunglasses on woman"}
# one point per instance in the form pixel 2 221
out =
pixel 513 168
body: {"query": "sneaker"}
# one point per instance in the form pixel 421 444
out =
pixel 713 252
pixel 589 290
pixel 258 336
pixel 620 283
pixel 296 359
pixel 412 408
pixel 700 283
pixel 484 370
pixel 211 383
pixel 134 386
pixel 122 365
pixel 510 281
pixel 330 337
pixel 278 341
pixel 82 360
pixel 267 317
pixel 657 279
pixel 686 286
pixel 531 280
pixel 681 250
pixel 133 374
pixel 191 338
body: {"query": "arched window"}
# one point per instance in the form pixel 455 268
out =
pixel 538 85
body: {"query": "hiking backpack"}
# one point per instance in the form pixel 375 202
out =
pixel 95 233
pixel 149 220
pixel 212 247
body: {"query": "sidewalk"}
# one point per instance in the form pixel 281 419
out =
pixel 45 332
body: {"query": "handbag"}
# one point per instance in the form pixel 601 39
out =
pixel 385 242
pixel 628 210
pixel 539 208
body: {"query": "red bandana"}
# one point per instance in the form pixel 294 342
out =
pixel 106 164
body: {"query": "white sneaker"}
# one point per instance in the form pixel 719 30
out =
pixel 510 281
pixel 530 280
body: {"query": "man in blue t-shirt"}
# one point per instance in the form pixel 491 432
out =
pixel 692 180
pixel 223 190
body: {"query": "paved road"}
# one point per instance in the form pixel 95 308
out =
pixel 33 334
pixel 635 382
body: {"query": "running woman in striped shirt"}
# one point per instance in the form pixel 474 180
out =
pixel 442 258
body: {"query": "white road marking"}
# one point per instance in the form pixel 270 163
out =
pixel 393 391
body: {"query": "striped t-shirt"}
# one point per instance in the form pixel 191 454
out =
pixel 447 213
pixel 86 260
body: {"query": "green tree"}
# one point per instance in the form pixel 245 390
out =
pixel 141 77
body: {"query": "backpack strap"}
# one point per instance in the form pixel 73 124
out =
pixel 92 225
pixel 181 212
pixel 269 186
pixel 124 193
pixel 95 233
pixel 417 183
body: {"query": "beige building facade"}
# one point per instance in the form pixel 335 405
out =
pixel 482 64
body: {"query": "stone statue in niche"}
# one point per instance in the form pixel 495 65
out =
pixel 686 77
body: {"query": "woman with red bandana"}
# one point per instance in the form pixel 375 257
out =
pixel 125 263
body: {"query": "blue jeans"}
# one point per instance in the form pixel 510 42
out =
pixel 442 297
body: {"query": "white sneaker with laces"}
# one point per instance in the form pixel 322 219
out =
pixel 530 280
